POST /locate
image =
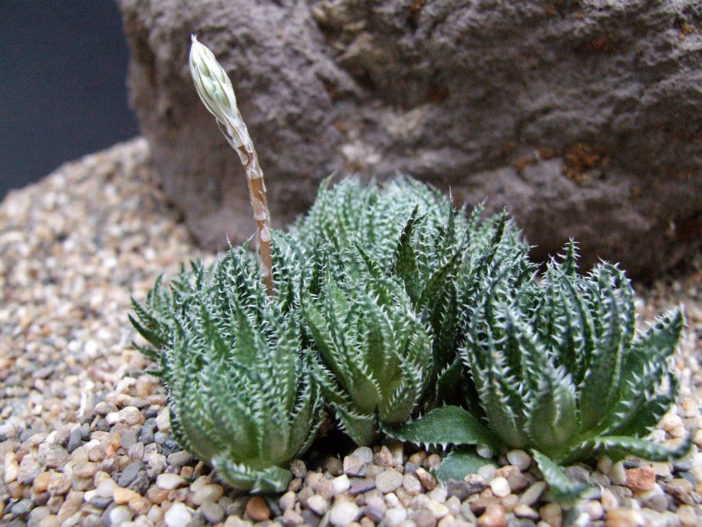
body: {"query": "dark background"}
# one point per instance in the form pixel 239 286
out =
pixel 63 67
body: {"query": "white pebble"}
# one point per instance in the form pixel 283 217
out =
pixel 439 494
pixel 344 513
pixel 341 484
pixel 317 504
pixel 209 493
pixel 112 418
pixel 120 514
pixel 500 487
pixel 438 510
pixel 519 459
pixel 177 516
pixel 395 516
pixel 594 510
pixel 169 481
pixel 163 421
pixel 105 488
pixel 287 501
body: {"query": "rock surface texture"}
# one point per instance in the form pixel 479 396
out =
pixel 584 118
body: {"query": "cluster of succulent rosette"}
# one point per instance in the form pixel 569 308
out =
pixel 403 316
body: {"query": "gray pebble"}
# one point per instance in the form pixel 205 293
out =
pixel 141 483
pixel 520 522
pixel 146 436
pixel 21 507
pixel 310 517
pixel 100 502
pixel 683 464
pixel 360 486
pixel 75 439
pixel 463 489
pixel 129 473
pixel 129 438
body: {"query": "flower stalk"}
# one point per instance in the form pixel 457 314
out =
pixel 217 94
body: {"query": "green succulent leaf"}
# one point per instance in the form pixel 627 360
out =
pixel 459 463
pixel 618 447
pixel 561 486
pixel 447 425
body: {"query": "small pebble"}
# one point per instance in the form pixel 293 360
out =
pixel 287 501
pixel 257 509
pixel 41 482
pixel 343 513
pixel 395 516
pixel 207 493
pixel 487 472
pixel 640 479
pixel 292 518
pixel 624 518
pixel 340 484
pixel 170 481
pixel 317 504
pixel 533 493
pixel 121 495
pixel 388 480
pixel 365 453
pixel 11 467
pixel 212 512
pixel 411 484
pixel 129 473
pixel 177 516
pixel 426 478
pixel 552 514
pixel 494 516
pixel 120 514
pixel 500 487
pixel 519 458
pixel 617 474
pixel 355 466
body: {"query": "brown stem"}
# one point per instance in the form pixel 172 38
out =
pixel 259 204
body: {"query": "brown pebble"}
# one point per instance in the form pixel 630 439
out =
pixel 41 482
pixel 383 457
pixel 295 484
pixel 333 465
pixel 139 505
pixel 157 495
pixel 640 479
pixel 494 516
pixel 425 477
pixel 257 509
pixel 122 495
pixel 552 514
pixel 623 518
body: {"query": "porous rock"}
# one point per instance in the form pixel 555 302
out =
pixel 581 117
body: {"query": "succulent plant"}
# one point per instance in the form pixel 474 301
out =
pixel 374 355
pixel 559 370
pixel 413 233
pixel 230 356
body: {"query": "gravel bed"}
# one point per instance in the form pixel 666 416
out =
pixel 84 432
